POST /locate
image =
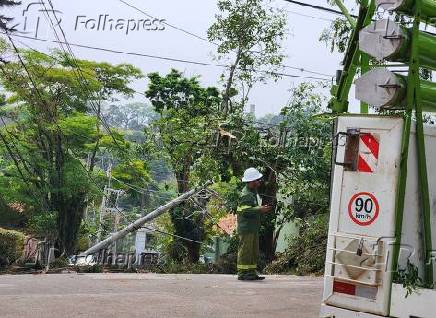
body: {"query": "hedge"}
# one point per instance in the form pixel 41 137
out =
pixel 11 246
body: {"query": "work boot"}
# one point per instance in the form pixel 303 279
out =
pixel 250 276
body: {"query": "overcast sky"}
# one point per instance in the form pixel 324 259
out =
pixel 303 48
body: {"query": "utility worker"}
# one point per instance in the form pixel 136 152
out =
pixel 249 211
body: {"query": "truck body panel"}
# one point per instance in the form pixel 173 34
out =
pixel 358 275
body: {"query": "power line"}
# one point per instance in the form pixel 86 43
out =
pixel 206 40
pixel 162 232
pixel 309 16
pixel 107 50
pixel 51 115
pixel 25 68
pixel 247 121
pixel 166 23
pixel 40 97
pixel 75 65
pixel 143 191
pixel 173 235
pixel 79 74
pixel 322 8
pixel 303 70
pixel 60 61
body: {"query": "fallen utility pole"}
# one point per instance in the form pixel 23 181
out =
pixel 133 227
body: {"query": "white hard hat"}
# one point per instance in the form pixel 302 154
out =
pixel 251 174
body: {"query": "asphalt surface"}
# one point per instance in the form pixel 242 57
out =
pixel 153 295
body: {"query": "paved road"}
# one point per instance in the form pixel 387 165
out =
pixel 153 295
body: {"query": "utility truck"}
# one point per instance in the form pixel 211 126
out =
pixel 380 258
pixel 359 275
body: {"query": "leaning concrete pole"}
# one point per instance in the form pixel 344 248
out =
pixel 132 227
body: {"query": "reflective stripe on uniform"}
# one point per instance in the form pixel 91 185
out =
pixel 243 207
pixel 259 199
pixel 247 266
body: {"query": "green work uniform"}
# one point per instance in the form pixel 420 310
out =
pixel 248 231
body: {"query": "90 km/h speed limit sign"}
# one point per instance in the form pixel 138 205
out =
pixel 363 208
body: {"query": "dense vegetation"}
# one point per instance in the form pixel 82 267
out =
pixel 65 135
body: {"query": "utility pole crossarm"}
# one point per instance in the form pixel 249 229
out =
pixel 132 227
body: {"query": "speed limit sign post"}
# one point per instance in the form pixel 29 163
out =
pixel 363 208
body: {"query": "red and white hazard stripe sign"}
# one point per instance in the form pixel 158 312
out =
pixel 368 153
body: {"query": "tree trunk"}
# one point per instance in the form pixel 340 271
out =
pixel 70 214
pixel 184 226
pixel 70 207
pixel 226 98
pixel 268 221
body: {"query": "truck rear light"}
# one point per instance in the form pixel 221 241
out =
pixel 369 292
pixel 344 288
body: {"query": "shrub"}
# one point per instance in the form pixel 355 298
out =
pixel 43 225
pixel 11 246
pixel 96 268
pixel 10 216
pixel 172 267
pixel 60 262
pixel 306 252
pixel 226 263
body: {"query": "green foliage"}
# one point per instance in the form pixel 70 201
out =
pixel 307 156
pixel 175 267
pixel 337 35
pixel 409 278
pixel 228 197
pixel 88 232
pixel 303 165
pixel 220 205
pixel 60 262
pixel 11 246
pixel 293 152
pixel 43 225
pixel 51 143
pixel 88 269
pixel 12 215
pixel 187 111
pixel 306 251
pixel 250 33
pixel 132 116
pixel 133 172
pixel 251 27
pixel 226 263
pixel 174 91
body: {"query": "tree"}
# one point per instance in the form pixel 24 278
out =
pixel 249 33
pixel 292 151
pixel 133 116
pixel 337 35
pixel 308 155
pixel 187 112
pixel 54 135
